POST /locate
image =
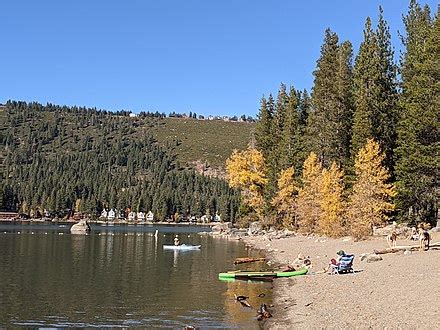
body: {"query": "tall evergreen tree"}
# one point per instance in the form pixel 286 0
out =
pixel 280 112
pixel 388 109
pixel 365 75
pixel 291 142
pixel 345 101
pixel 305 106
pixel 417 166
pixel 321 122
pixel 329 123
pixel 263 129
pixel 375 91
pixel 274 160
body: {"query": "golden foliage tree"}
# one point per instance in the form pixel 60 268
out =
pixel 308 205
pixel 247 171
pixel 370 200
pixel 284 201
pixel 331 202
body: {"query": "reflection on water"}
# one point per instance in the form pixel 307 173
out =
pixel 120 278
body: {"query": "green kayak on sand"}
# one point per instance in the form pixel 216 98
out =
pixel 256 275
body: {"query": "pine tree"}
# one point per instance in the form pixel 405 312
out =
pixel 417 166
pixel 274 158
pixel 308 203
pixel 305 105
pixel 322 123
pixel 263 129
pixel 271 154
pixel 375 91
pixel 388 110
pixel 365 76
pixel 330 222
pixel 291 141
pixel 345 102
pixel 370 201
pixel 328 130
pixel 280 113
pixel 284 201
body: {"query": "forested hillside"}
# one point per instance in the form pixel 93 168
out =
pixel 363 148
pixel 69 158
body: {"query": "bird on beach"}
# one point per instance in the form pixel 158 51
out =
pixel 242 300
pixel 263 313
pixel 245 303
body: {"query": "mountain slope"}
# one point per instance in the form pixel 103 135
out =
pixel 65 158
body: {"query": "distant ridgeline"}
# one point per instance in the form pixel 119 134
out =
pixel 69 158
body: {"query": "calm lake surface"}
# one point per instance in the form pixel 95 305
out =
pixel 121 277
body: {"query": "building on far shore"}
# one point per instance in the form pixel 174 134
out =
pixel 140 216
pixel 104 214
pixel 111 214
pixel 131 216
pixel 150 216
pixel 7 216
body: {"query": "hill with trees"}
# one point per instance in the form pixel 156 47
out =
pixel 65 159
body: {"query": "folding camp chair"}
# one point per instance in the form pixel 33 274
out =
pixel 345 264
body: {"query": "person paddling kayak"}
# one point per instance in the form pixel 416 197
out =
pixel 176 240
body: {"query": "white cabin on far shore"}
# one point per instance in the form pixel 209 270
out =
pixel 150 216
pixel 140 216
pixel 111 214
pixel 131 216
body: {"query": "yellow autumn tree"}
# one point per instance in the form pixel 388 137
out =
pixel 284 200
pixel 370 201
pixel 332 205
pixel 308 205
pixel 246 170
pixel 78 205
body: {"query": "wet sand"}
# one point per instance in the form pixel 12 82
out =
pixel 400 291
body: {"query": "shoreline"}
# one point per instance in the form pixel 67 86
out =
pixel 400 291
pixel 109 223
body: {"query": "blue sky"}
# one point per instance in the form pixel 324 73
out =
pixel 209 57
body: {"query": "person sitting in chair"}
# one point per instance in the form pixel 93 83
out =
pixel 342 264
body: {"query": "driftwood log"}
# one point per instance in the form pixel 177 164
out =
pixel 405 247
pixel 246 260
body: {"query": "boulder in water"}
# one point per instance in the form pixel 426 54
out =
pixel 82 227
pixel 223 227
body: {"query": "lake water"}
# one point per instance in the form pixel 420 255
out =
pixel 121 277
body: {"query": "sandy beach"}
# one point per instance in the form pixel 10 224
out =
pixel 400 291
